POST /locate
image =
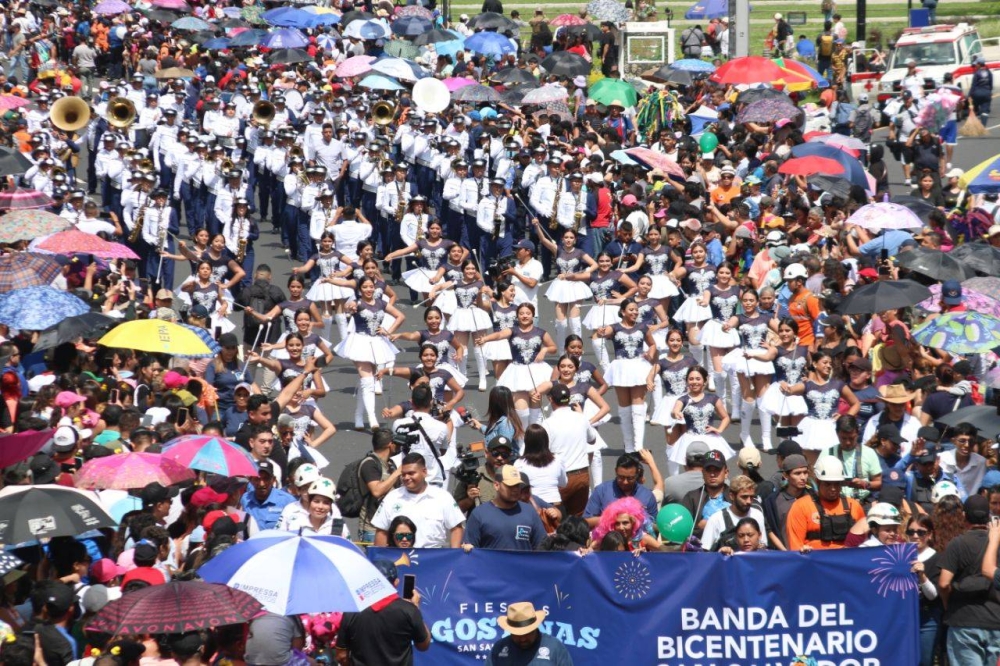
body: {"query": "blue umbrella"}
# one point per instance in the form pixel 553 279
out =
pixel 379 82
pixel 191 23
pixel 367 29
pixel 853 171
pixel 316 20
pixel 217 44
pixel 692 65
pixel 38 308
pixel 987 178
pixel 490 43
pixel 411 26
pixel 398 68
pixel 252 37
pixel 708 9
pixel 451 47
pixel 327 41
pixel 286 38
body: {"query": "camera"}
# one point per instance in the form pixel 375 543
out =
pixel 467 463
pixel 499 265
pixel 405 436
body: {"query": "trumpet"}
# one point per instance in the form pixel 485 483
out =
pixel 295 151
pixel 58 171
pixel 226 165
pixel 121 113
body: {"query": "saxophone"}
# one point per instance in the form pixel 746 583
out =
pixel 577 216
pixel 554 219
pixel 138 222
pixel 241 244
pixel 497 220
pixel 400 204
pixel 420 227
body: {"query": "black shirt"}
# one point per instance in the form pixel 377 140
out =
pixel 382 638
pixel 371 470
pixel 971 603
pixel 278 454
pixel 608 39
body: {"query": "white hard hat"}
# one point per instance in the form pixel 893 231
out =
pixel 829 468
pixel 306 475
pixel 943 489
pixel 884 513
pixel 777 17
pixel 796 271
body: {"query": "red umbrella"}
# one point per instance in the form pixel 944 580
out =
pixel 18 199
pixel 74 241
pixel 810 166
pixel 567 20
pixel 23 445
pixel 747 70
pixel 131 470
pixel 175 608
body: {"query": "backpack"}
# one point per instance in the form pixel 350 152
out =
pixel 728 536
pixel 825 49
pixel 350 496
pixel 842 115
pixel 863 123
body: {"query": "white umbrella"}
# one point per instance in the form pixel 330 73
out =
pixel 885 215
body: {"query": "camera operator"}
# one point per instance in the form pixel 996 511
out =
pixel 526 274
pixel 476 487
pixel 420 432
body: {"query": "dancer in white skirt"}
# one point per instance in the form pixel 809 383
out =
pixel 567 294
pixel 443 340
pixel 790 360
pixel 657 261
pixel 202 290
pixel 698 275
pixel 314 345
pixel 746 361
pixel 697 410
pixel 528 346
pixel 469 318
pixel 449 271
pixel 443 382
pixel 431 253
pixel 287 369
pixel 366 268
pixel 651 311
pixel 722 298
pixel 368 346
pixel 822 393
pixel 586 371
pixel 504 312
pixel 629 372
pixel 324 292
pixel 668 378
pixel 610 287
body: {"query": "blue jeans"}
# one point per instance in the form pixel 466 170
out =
pixel 973 647
pixel 930 623
pixel 366 536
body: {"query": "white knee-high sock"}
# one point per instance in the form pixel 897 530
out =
pixel 328 327
pixel 480 365
pixel 535 415
pixel 561 333
pixel 657 394
pixel 628 428
pixel 575 327
pixel 341 320
pixel 596 470
pixel 735 395
pixel 463 365
pixel 359 407
pixel 765 426
pixel 719 379
pixel 746 418
pixel 524 415
pixel 601 352
pixel 368 396
pixel 639 425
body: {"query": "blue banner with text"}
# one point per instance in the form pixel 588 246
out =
pixel 854 607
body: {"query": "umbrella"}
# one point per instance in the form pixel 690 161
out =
pixel 211 454
pixel 567 20
pixel 191 23
pixel 490 43
pixel 884 215
pixel 320 20
pixel 13 161
pixel 177 5
pixel 984 417
pixel 27 224
pixel 281 16
pixel 935 264
pixel 205 336
pixel 112 7
pixel 435 36
pixel 492 21
pixel 984 178
pixel 367 30
pixel 350 17
pixel 252 37
pixel 883 295
pixel 668 74
pixel 9 563
pixel 233 22
pixel 355 66
pixel 515 95
pixel 755 94
pixel 853 171
pixel 707 9
pixel 402 48
pixel 693 65
pixel 513 75
pixel 10 102
pixel 988 286
pixel 379 82
pixel 30 513
pixel 175 608
pixel 564 63
pixel 802 69
pixel 966 332
pixel 282 569
pixel 253 14
pixel 26 269
pixel 23 445
pixel 454 83
pixel 608 10
pixel 476 94
pixel 746 70
pixel 796 80
pixel 156 336
pixel 129 471
pixel 72 241
pixel 411 26
pixel 920 208
pixel 840 141
pixel 175 73
pixel 160 15
pixel 652 159
pixel 285 38
pixel 327 41
pixel 558 108
pixel 808 166
pixel 38 308
pixel 288 56
pixel 119 503
pixel 414 10
pixel 550 92
pixel 971 299
pixel 87 326
pixel 836 186
pixel 979 256
pixel 588 30
pixel 398 69
pixel 202 36
pixel 217 44
pixel 622 157
pixel 768 111
pixel 607 91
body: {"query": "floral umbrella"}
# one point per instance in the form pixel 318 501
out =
pixel 131 470
pixel 112 7
pixel 768 111
pixel 608 10
pixel 960 332
pixel 972 299
pixel 355 66
pixel 414 10
pixel 988 286
pixel 27 224
pixel 551 92
pixel 38 308
pixel 23 269
pixel 79 242
pixel 885 215
pixel 253 14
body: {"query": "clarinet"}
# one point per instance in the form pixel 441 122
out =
pixel 554 219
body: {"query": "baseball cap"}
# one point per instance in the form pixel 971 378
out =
pixel 229 340
pixel 863 97
pixel 498 442
pixel 713 459
pixel 861 363
pixel 510 476
pixel 559 394
pixel 59 600
pixel 67 437
pixel 164 295
pixel 105 569
pixel 696 452
pixel 67 398
pixel 266 466
pixel 787 447
pixel 97 597
pixel 154 493
pixel 208 522
pixel 43 469
pixel 205 496
pixel 794 461
pixel 145 574
pixel 749 458
pixel 930 434
pixel 525 244
pixel 890 432
pixel 629 200
pixel 977 510
pixel 174 379
pixel 951 292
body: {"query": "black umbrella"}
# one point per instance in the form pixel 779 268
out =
pixel 756 94
pixel 233 23
pixel 980 257
pixel 161 15
pixel 884 295
pixel 564 63
pixel 920 208
pixel 89 326
pixel 835 185
pixel 515 94
pixel 355 16
pixel 434 36
pixel 935 264
pixel 984 417
pixel 288 57
pixel 491 21
pixel 31 513
pixel 592 32
pixel 513 75
pixel 45 3
pixel 13 162
pixel 668 74
pixel 201 36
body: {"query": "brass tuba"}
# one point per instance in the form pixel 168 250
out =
pixel 263 113
pixel 121 112
pixel 70 114
pixel 383 113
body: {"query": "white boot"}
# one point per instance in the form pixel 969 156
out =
pixel 328 327
pixel 639 425
pixel 463 365
pixel 628 428
pixel 596 469
pixel 698 354
pixel 575 327
pixel 359 407
pixel 657 394
pixel 341 320
pixel 734 390
pixel 765 427
pixel 746 418
pixel 480 366
pixel 368 396
pixel 717 382
pixel 524 415
pixel 560 336
pixel 601 352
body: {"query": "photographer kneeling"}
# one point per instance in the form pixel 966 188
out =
pixel 420 432
pixel 474 486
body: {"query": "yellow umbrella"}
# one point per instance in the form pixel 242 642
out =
pixel 156 336
pixel 972 173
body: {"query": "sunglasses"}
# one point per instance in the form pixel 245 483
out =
pixel 404 536
pixel 917 532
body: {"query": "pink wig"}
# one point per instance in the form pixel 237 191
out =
pixel 629 505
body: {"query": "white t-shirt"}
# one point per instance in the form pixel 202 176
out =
pixel 971 475
pixel 433 511
pixel 522 294
pixel 438 434
pixel 545 481
pixel 716 525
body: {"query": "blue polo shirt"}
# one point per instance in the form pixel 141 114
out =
pixel 266 514
pixel 608 492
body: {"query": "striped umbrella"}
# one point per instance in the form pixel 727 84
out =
pixel 211 454
pixel 25 269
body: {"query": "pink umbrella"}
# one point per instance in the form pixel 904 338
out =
pixel 567 20
pixel 232 32
pixel 456 82
pixel 355 66
pixel 23 445
pixel 846 143
pixel 885 215
pixel 414 10
pixel 172 4
pixel 655 160
pixel 972 299
pixel 73 241
pixel 8 102
pixel 127 471
pixel 211 454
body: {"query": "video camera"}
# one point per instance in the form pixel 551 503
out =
pixel 496 267
pixel 405 436
pixel 467 464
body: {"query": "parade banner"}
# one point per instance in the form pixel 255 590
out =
pixel 852 607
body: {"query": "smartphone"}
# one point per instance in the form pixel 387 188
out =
pixel 218 332
pixel 409 584
pixel 182 416
pixel 147 421
pixel 338 527
pixel 113 398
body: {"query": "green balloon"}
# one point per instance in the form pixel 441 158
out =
pixel 675 523
pixel 708 142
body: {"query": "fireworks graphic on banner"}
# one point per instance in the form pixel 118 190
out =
pixel 892 570
pixel 633 580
